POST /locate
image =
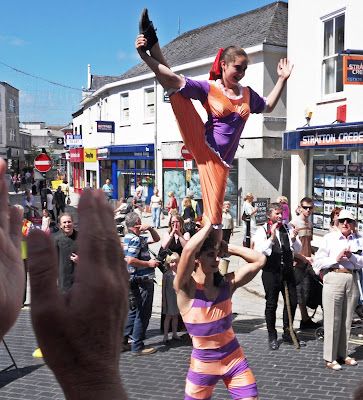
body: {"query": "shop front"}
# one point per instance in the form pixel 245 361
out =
pixel 90 167
pixel 76 158
pixel 126 166
pixel 179 176
pixel 334 168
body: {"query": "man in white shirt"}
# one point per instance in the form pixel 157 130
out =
pixel 338 260
pixel 278 243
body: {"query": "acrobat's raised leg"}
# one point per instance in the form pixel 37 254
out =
pixel 213 172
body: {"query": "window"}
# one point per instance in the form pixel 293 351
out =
pixel 105 109
pixel 1 134
pixel 332 63
pixel 149 104
pixel 12 135
pixel 12 105
pixel 125 111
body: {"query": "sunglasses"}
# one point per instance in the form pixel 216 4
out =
pixel 349 221
pixel 308 207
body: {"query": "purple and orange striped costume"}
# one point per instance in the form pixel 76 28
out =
pixel 216 351
pixel 213 144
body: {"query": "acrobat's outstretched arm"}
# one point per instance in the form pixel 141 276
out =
pixel 157 63
pixel 284 70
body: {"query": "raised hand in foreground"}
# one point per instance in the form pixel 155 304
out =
pixel 80 331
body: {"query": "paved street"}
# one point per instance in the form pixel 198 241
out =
pixel 284 374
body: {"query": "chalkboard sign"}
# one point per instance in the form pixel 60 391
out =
pixel 260 215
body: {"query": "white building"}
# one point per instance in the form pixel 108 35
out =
pixel 327 157
pixel 146 143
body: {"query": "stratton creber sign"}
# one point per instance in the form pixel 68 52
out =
pixel 334 135
pixel 331 139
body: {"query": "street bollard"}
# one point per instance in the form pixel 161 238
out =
pixel 248 231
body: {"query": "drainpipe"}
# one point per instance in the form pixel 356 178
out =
pixel 155 134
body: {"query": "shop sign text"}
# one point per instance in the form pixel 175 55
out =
pixel 331 139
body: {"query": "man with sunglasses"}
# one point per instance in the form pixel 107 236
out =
pixel 338 259
pixel 304 259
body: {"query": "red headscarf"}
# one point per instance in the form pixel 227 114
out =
pixel 216 67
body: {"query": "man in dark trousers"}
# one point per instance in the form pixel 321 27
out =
pixel 278 243
pixel 141 268
pixel 59 201
pixel 66 245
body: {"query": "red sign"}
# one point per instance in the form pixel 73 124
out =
pixel 42 162
pixel 76 155
pixel 185 153
pixel 36 221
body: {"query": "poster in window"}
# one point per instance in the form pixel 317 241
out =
pixel 318 221
pixel 360 227
pixel 319 167
pixel 329 180
pixel 326 223
pixel 353 168
pixel 329 168
pixel 340 181
pixel 352 210
pixel 318 207
pixel 341 168
pixel 340 196
pixel 328 208
pixel 360 198
pixel 318 193
pixel 352 182
pixel 351 197
pixel 328 194
pixel 319 180
pixel 340 206
pixel 360 213
pixel 361 181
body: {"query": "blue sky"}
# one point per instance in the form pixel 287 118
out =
pixel 56 41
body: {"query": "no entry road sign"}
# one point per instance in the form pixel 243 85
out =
pixel 185 153
pixel 42 162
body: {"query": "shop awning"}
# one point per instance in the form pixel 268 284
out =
pixel 324 136
pixel 127 152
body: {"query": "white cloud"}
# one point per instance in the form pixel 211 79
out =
pixel 17 42
pixel 12 41
pixel 124 56
pixel 121 55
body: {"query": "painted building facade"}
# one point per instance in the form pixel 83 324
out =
pixel 325 114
